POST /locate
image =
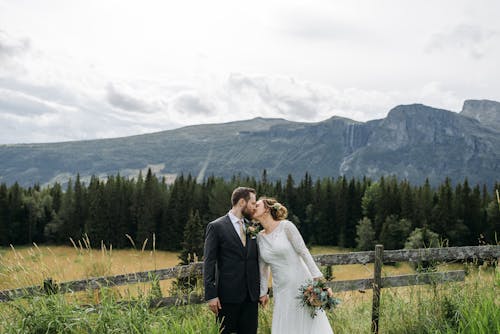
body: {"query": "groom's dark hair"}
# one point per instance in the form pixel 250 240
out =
pixel 241 192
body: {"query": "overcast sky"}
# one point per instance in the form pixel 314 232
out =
pixel 72 70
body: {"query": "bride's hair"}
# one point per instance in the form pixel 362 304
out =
pixel 277 210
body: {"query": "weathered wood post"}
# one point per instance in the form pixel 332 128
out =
pixel 377 284
pixel 49 286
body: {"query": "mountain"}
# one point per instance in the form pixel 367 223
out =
pixel 418 142
pixel 485 111
pixel 414 142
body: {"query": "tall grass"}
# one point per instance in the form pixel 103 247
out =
pixel 56 314
pixel 470 307
pixel 465 307
pixel 26 266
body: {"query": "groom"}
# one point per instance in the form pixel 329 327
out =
pixel 231 268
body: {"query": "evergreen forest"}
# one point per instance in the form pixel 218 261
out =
pixel 147 212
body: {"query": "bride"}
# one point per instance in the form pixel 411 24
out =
pixel 282 249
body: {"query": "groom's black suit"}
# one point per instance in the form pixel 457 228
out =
pixel 231 273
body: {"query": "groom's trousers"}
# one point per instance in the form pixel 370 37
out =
pixel 239 318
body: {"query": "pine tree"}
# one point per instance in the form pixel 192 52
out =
pixel 365 235
pixel 304 197
pixel 56 194
pixel 123 192
pixel 147 221
pixel 329 228
pixel 96 226
pixel 341 211
pixel 407 201
pixel 192 246
pixel 79 210
pixel 219 198
pixel 66 212
pixel 458 233
pixel 381 206
pixel 177 212
pixel 473 218
pixel 442 214
pixel 264 188
pixel 354 212
pixel 424 205
pixel 4 215
pixel 137 209
pixel 320 228
pixel 17 216
pixel 308 223
pixel 32 203
pixel 290 194
pixel 278 190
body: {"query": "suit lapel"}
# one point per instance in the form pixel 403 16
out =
pixel 232 232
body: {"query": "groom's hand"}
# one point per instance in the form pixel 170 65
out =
pixel 264 300
pixel 214 305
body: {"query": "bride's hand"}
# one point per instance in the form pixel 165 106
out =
pixel 264 300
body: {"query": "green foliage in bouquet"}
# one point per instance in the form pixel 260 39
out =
pixel 316 296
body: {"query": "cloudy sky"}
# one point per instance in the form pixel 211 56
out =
pixel 72 70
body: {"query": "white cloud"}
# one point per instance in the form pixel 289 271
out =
pixel 318 24
pixel 474 40
pixel 94 69
pixel 124 100
pixel 191 103
pixel 23 105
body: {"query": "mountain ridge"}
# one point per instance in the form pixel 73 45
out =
pixel 413 141
pixel 486 112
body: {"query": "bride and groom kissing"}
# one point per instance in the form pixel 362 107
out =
pixel 237 265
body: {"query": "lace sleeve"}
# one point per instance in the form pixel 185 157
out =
pixel 298 244
pixel 264 276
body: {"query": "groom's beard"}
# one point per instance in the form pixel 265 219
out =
pixel 248 214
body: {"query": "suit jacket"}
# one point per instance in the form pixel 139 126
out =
pixel 230 271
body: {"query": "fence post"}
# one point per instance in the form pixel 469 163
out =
pixel 49 286
pixel 377 283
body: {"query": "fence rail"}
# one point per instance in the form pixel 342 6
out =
pixel 195 269
pixel 412 255
pixel 94 283
pixel 398 281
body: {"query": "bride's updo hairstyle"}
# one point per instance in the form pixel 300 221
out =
pixel 277 210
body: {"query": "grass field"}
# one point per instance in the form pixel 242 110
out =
pixel 24 266
pixel 27 266
pixel 465 307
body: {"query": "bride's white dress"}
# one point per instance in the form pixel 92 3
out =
pixel 285 253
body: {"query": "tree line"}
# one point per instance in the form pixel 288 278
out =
pixel 354 213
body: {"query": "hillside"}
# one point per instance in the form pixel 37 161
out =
pixel 414 142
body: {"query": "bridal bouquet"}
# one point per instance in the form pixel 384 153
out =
pixel 316 296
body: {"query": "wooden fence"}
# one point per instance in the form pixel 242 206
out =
pixel 378 257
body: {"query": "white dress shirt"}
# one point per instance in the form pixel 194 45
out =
pixel 235 220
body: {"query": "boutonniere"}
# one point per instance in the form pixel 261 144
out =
pixel 253 228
